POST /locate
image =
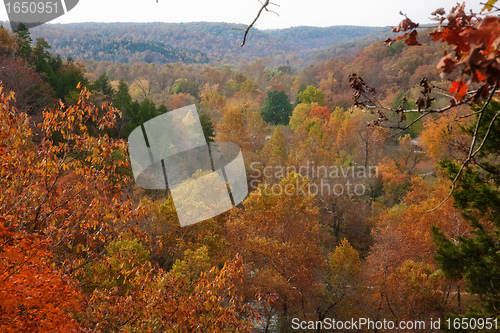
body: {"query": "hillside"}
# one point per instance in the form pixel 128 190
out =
pixel 359 191
pixel 192 42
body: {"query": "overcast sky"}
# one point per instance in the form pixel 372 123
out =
pixel 292 12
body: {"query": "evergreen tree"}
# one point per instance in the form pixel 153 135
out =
pixel 147 110
pixel 103 85
pixel 136 114
pixel 276 109
pixel 162 109
pixel 122 101
pixel 122 98
pixel 24 41
pixel 208 127
pixel 41 55
pixel 476 258
pixel 62 77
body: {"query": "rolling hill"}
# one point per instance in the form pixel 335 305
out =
pixel 197 42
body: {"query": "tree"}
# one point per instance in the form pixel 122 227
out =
pixel 35 296
pixel 444 138
pixel 163 109
pixel 320 112
pixel 242 124
pixel 103 85
pixel 275 152
pixel 475 257
pixel 401 261
pixel 312 95
pixel 32 93
pixel 278 235
pixel 300 112
pixel 341 290
pixel 208 127
pixel 186 86
pixel 8 44
pixel 122 101
pixel 232 128
pixel 24 41
pixel 276 109
pixel 212 102
pixel 61 201
pixel 63 77
pixel 208 305
pixel 135 114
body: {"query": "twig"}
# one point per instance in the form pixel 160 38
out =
pixel 250 26
pixel 472 152
pixel 423 114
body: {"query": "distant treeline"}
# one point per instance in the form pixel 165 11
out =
pixel 196 42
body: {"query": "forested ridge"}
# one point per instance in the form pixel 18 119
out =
pixel 373 180
pixel 207 41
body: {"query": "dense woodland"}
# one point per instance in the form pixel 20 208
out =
pixel 200 42
pixel 83 249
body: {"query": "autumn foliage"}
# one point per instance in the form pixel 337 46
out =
pixel 63 207
pixel 474 41
pixel 83 249
pixel 47 190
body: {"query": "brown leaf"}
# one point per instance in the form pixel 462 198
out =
pixel 447 64
pixel 405 25
pixel 439 11
pixel 412 39
pixel 389 41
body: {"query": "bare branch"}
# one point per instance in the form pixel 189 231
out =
pixel 423 114
pixel 265 6
pixel 467 115
pixel 473 152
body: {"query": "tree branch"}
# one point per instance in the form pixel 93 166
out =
pixel 473 152
pixel 250 26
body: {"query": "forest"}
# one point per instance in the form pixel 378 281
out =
pixel 373 177
pixel 214 42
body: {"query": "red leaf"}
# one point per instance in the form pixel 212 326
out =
pixel 412 39
pixel 459 88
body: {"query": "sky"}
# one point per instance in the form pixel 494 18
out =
pixel 322 13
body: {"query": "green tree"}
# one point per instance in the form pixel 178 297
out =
pixel 147 111
pixel 163 109
pixel 122 98
pixel 135 114
pixel 476 258
pixel 187 86
pixel 103 85
pixel 208 127
pixel 312 95
pixel 276 109
pixel 24 41
pixel 41 54
pixel 62 77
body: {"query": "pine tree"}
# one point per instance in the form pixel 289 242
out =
pixel 103 85
pixel 208 127
pixel 476 258
pixel 276 109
